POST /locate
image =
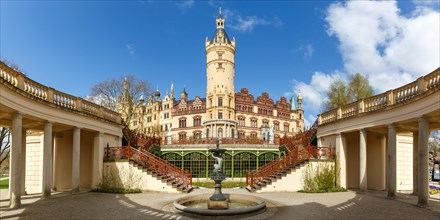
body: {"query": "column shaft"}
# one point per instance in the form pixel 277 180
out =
pixel 47 160
pixel 16 163
pixel 23 162
pixel 341 161
pixel 98 156
pixel 76 159
pixel 423 182
pixel 391 161
pixel 363 160
pixel 415 162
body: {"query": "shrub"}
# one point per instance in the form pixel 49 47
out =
pixel 118 181
pixel 320 179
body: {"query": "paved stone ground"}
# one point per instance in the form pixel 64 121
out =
pixel 152 205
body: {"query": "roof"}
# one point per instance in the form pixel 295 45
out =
pixel 218 31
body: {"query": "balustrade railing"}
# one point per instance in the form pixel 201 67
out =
pixel 403 94
pixel 57 98
pixel 223 141
pixel 153 163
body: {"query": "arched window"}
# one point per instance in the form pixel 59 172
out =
pixel 220 133
pixel 254 122
pixel 241 121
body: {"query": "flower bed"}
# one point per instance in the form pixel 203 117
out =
pixel 434 189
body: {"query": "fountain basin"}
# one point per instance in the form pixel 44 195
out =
pixel 238 204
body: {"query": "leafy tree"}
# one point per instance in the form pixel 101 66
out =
pixel 341 93
pixel 108 92
pixel 337 94
pixel 359 87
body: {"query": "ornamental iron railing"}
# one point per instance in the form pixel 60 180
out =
pixel 272 170
pixel 153 163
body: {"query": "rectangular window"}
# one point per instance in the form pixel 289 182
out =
pixel 220 101
pixel 182 123
pixel 197 122
pixel 220 115
pixel 220 65
pixel 254 123
pixel 220 57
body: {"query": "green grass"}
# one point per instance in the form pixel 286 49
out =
pixel 224 184
pixel 3 175
pixel 4 184
pixel 335 189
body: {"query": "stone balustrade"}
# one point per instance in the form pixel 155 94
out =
pixel 399 96
pixel 56 98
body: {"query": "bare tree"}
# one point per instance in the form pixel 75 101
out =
pixel 111 93
pixel 5 142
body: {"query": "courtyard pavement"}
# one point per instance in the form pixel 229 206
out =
pixel 153 205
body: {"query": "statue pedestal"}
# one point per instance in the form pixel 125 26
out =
pixel 217 204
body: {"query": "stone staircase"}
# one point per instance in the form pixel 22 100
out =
pixel 288 165
pixel 151 172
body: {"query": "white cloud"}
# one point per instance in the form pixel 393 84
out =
pixel 309 121
pixel 130 49
pixel 390 49
pixel 247 23
pixel 306 50
pixel 186 4
pixel 314 92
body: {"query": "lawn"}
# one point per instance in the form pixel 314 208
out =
pixel 224 184
pixel 4 184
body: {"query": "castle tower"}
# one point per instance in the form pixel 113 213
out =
pixel 220 68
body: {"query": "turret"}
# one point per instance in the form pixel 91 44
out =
pixel 157 94
pixel 184 95
pixel 299 100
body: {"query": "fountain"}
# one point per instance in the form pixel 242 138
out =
pixel 218 204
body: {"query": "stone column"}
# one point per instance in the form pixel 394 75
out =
pixel 76 159
pixel 363 160
pixel 98 156
pixel 47 160
pixel 423 183
pixel 319 142
pixel 341 160
pixel 55 148
pixel 23 162
pixel 15 158
pixel 415 162
pixel 391 162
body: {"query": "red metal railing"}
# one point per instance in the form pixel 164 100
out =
pixel 292 158
pixel 152 163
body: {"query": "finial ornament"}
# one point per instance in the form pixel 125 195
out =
pixel 157 87
pixel 220 10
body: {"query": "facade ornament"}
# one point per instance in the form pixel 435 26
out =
pixel 271 135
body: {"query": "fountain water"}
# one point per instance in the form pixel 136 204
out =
pixel 219 204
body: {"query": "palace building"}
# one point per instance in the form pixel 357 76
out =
pixel 223 112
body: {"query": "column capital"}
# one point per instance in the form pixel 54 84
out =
pixel 17 114
pixel 392 125
pixel 422 119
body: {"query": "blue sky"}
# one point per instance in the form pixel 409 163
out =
pixel 282 46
